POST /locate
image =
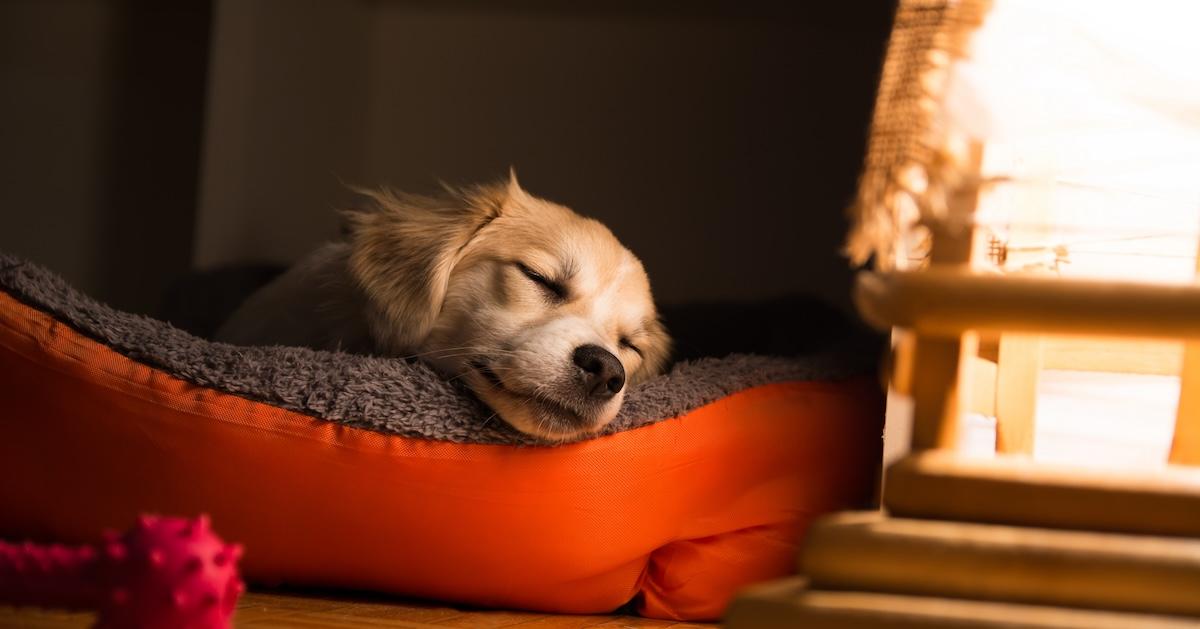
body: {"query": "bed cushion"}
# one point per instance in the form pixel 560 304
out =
pixel 349 471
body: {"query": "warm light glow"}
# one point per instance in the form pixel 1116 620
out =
pixel 1089 114
pixel 1092 417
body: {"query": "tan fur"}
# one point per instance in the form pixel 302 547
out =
pixel 441 278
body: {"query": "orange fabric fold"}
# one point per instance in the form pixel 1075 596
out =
pixel 680 513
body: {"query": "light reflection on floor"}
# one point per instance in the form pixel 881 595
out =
pixel 1093 419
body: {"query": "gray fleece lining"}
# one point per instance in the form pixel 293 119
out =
pixel 392 396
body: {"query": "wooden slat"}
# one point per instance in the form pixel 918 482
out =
pixel 1005 490
pixel 867 551
pixel 1135 355
pixel 938 399
pixel 948 302
pixel 1117 355
pixel 787 604
pixel 1185 443
pixel 1016 392
pixel 900 362
pixel 983 388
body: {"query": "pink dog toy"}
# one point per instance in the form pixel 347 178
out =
pixel 165 572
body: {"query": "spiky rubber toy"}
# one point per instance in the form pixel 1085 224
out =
pixel 165 572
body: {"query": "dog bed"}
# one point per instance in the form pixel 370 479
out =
pixel 347 471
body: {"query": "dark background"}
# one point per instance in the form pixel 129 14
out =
pixel 719 140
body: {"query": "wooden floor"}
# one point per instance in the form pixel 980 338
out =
pixel 269 609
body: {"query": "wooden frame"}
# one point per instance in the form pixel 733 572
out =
pixel 1005 490
pixel 949 302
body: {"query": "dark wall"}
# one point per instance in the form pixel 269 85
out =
pixel 720 143
pixel 720 140
pixel 101 111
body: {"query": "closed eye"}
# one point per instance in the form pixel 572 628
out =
pixel 554 288
pixel 626 343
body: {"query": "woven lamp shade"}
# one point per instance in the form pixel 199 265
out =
pixel 1088 115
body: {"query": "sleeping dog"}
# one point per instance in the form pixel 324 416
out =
pixel 540 311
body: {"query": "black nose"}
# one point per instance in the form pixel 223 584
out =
pixel 603 374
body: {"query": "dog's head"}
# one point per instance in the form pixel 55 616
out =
pixel 540 311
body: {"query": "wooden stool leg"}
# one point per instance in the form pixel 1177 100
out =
pixel 1018 365
pixel 940 390
pixel 1185 444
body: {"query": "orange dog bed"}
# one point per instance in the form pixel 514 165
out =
pixel 105 415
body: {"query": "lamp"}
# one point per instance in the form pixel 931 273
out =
pixel 1057 140
pixel 1030 201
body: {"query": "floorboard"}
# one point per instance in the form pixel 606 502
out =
pixel 265 609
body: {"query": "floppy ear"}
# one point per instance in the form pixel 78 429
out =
pixel 656 352
pixel 403 248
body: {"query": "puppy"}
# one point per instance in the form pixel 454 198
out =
pixel 541 312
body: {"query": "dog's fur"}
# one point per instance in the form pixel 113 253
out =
pixel 488 284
